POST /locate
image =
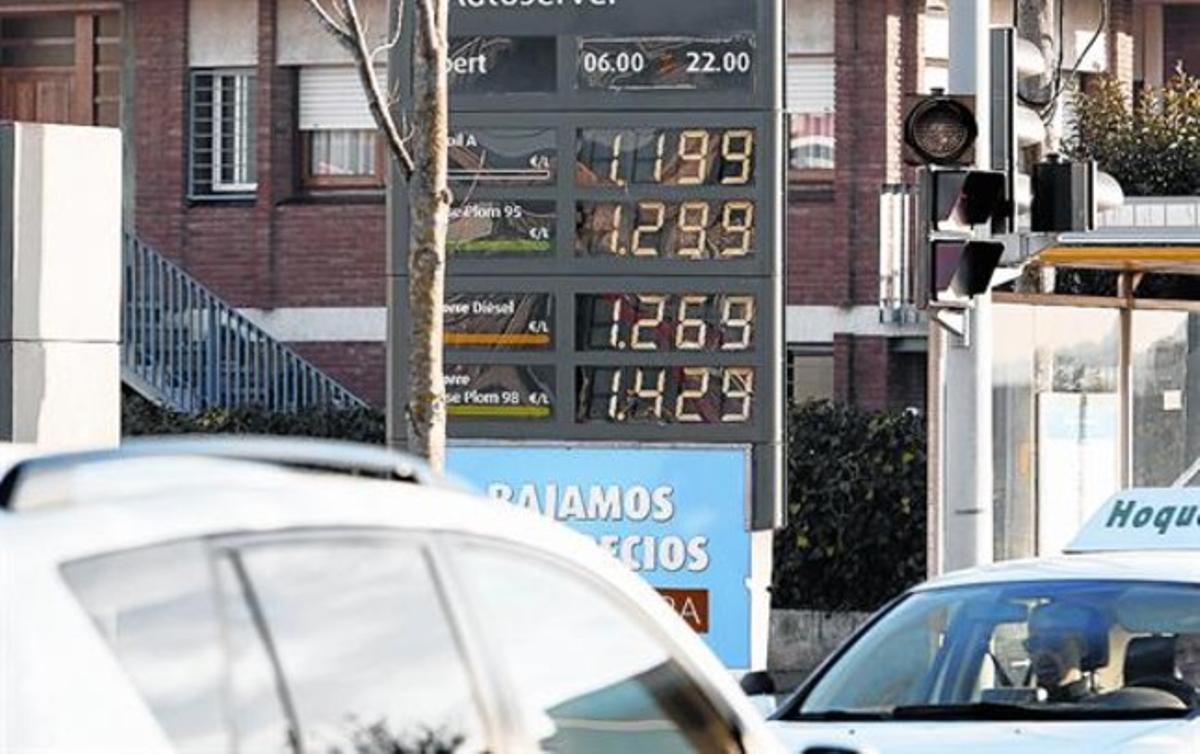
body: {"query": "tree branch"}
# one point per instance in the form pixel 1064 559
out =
pixel 395 40
pixel 339 32
pixel 377 103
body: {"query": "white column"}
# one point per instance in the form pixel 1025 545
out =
pixel 60 285
pixel 967 510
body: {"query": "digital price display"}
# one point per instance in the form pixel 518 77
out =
pixel 667 63
pixel 645 322
pixel 615 244
pixel 666 395
pixel 666 157
pixel 652 229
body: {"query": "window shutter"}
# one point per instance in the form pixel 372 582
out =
pixel 332 98
pixel 810 84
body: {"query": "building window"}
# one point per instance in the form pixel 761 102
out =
pixel 341 143
pixel 936 44
pixel 810 373
pixel 811 95
pixel 223 138
pixel 342 158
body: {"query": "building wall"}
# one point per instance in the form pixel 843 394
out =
pixel 834 226
pixel 283 248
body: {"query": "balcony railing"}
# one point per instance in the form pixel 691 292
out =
pixel 897 203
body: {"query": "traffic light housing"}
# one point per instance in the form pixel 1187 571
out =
pixel 953 265
pixel 1064 196
pixel 962 268
pixel 964 199
pixel 940 129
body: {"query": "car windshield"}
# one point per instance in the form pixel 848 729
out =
pixel 1057 649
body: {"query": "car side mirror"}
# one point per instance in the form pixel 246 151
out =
pixel 758 683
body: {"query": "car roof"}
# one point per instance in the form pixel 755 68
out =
pixel 139 501
pixel 1169 566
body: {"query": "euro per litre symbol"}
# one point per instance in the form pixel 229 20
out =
pixel 689 604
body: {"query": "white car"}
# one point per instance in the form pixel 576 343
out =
pixel 247 597
pixel 1095 651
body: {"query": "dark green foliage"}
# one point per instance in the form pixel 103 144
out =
pixel 856 530
pixel 141 417
pixel 1150 145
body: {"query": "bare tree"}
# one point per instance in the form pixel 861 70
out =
pixel 421 159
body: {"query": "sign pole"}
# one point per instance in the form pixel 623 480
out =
pixel 966 414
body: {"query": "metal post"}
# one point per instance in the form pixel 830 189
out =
pixel 967 509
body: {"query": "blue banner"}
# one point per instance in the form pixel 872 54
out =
pixel 677 516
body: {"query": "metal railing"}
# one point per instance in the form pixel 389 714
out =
pixel 897 204
pixel 187 349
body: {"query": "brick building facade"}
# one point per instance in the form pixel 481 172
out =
pixel 240 151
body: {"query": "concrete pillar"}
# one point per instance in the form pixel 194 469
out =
pixel 60 285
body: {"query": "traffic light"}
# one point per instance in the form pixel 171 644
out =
pixel 963 269
pixel 964 199
pixel 940 129
pixel 1057 195
pixel 953 266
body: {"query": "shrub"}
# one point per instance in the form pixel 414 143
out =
pixel 856 514
pixel 141 417
pixel 1151 145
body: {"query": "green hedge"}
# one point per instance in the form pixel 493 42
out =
pixel 141 417
pixel 1150 144
pixel 856 531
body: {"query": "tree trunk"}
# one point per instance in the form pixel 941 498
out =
pixel 429 205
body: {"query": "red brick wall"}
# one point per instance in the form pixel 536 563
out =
pixel 833 231
pixel 1120 40
pixel 362 367
pixel 280 249
pixel 160 76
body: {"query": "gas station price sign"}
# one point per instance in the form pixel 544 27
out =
pixel 615 243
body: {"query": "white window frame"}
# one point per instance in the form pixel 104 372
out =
pixel 243 163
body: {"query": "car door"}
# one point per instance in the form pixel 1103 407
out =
pixel 587 670
pixel 318 642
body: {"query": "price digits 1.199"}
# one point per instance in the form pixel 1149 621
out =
pixel 667 157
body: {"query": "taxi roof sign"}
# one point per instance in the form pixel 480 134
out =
pixel 1143 519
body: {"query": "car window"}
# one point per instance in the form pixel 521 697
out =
pixel 324 645
pixel 1067 648
pixel 364 645
pixel 156 608
pixel 589 676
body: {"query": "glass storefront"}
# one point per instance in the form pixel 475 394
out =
pixel 1056 422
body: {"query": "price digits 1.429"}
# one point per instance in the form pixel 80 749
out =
pixel 666 395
